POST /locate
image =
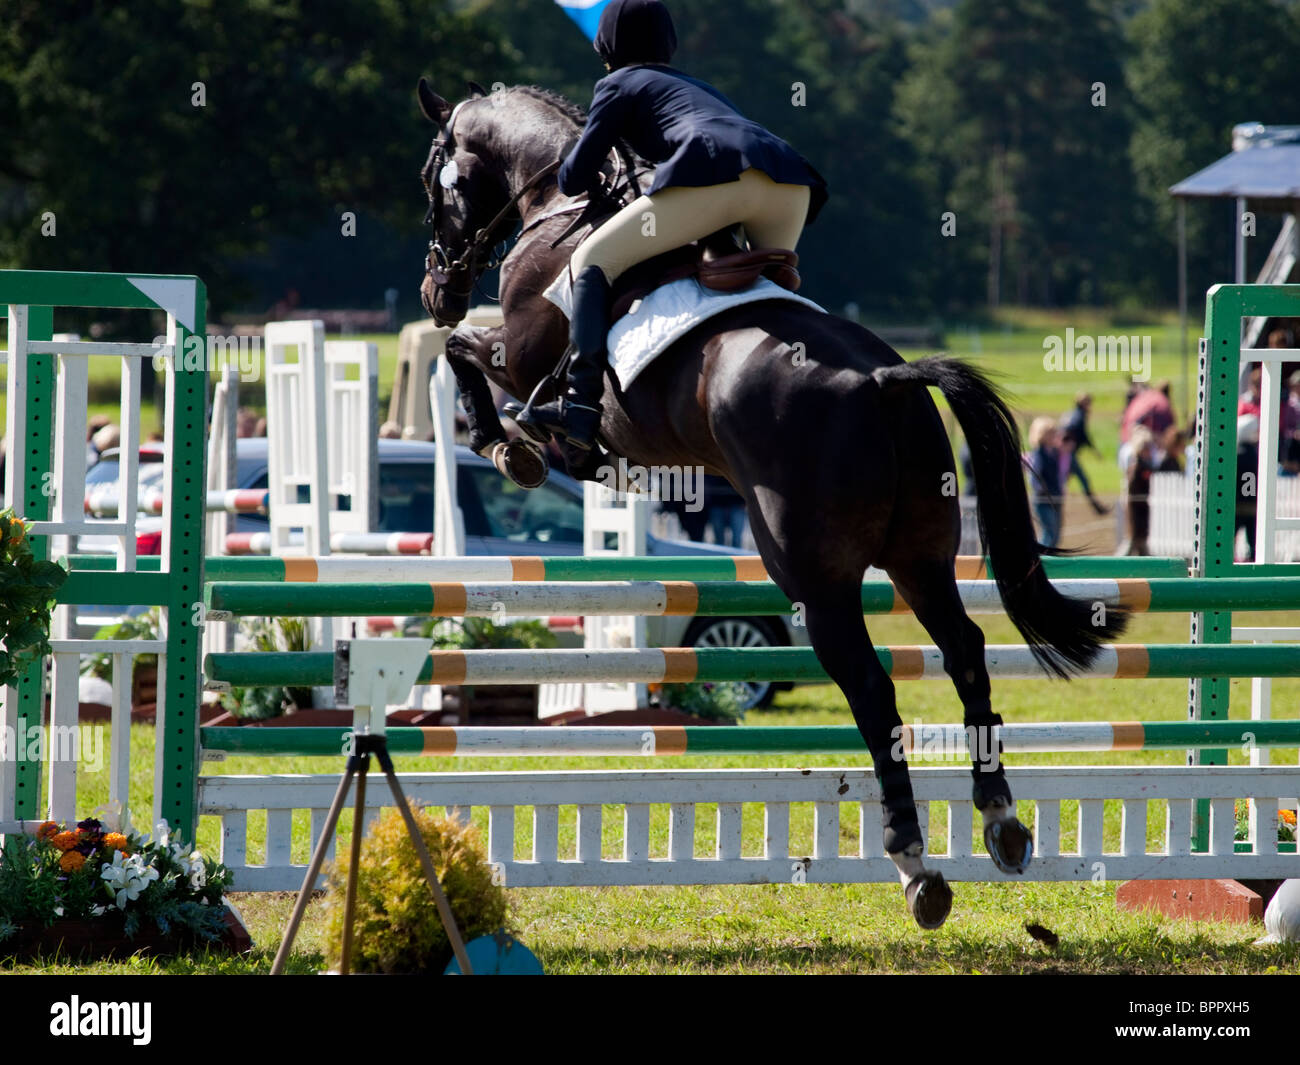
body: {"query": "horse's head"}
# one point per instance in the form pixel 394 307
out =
pixel 466 194
pixel 493 161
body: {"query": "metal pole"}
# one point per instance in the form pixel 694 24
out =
pixel 1182 303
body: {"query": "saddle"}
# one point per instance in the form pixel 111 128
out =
pixel 717 262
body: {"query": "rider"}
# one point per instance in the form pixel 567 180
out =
pixel 715 169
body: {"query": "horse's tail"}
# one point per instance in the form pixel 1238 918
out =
pixel 1062 633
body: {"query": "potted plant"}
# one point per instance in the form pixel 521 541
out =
pixel 489 704
pixel 91 892
pixel 709 702
pixel 261 703
pixel 27 592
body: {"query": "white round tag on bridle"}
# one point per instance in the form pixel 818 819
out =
pixel 449 175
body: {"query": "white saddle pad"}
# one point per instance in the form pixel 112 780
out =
pixel 666 314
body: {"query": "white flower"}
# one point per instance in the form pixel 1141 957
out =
pixel 98 911
pixel 128 877
pixel 112 815
pixel 58 911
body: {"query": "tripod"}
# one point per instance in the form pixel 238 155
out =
pixel 365 744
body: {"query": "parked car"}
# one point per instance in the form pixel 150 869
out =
pixel 500 519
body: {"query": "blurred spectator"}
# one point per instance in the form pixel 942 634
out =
pixel 1151 408
pixel 1074 426
pixel 93 425
pixel 259 428
pixel 106 437
pixel 1281 338
pixel 1248 401
pixel 1045 478
pixel 246 422
pixel 1168 456
pixel 1290 454
pixel 1247 471
pixel 693 522
pixel 390 431
pixel 1137 464
pixel 1074 437
pixel 725 510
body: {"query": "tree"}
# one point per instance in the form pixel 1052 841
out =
pixel 183 137
pixel 1200 67
pixel 1023 106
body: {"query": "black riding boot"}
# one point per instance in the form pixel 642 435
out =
pixel 575 416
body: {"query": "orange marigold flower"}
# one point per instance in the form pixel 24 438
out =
pixel 72 861
pixel 47 829
pixel 65 841
pixel 116 840
pixel 1287 816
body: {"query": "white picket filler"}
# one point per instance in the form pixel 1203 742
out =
pixel 720 796
pixel 1173 514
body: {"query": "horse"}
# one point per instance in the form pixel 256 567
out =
pixel 831 438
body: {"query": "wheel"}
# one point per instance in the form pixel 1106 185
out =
pixel 738 632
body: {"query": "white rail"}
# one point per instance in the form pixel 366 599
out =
pixel 610 847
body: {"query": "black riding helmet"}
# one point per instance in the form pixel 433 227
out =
pixel 635 31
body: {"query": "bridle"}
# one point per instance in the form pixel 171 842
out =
pixel 457 275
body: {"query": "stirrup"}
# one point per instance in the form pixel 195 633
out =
pixel 522 414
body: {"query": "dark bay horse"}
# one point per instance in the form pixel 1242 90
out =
pixel 831 438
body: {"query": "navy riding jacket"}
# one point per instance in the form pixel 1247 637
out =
pixel 693 132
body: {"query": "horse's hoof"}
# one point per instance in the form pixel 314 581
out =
pixel 518 413
pixel 929 898
pixel 522 461
pixel 1010 844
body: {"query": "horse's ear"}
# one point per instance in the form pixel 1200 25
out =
pixel 475 89
pixel 435 108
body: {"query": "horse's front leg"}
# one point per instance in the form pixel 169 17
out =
pixel 469 349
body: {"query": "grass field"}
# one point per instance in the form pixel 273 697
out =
pixel 813 928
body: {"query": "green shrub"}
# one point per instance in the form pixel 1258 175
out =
pixel 270 634
pixel 27 590
pixel 397 929
pixel 472 634
pixel 711 701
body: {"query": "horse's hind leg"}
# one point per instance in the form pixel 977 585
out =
pixel 931 591
pixel 839 636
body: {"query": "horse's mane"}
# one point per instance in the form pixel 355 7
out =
pixel 560 103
